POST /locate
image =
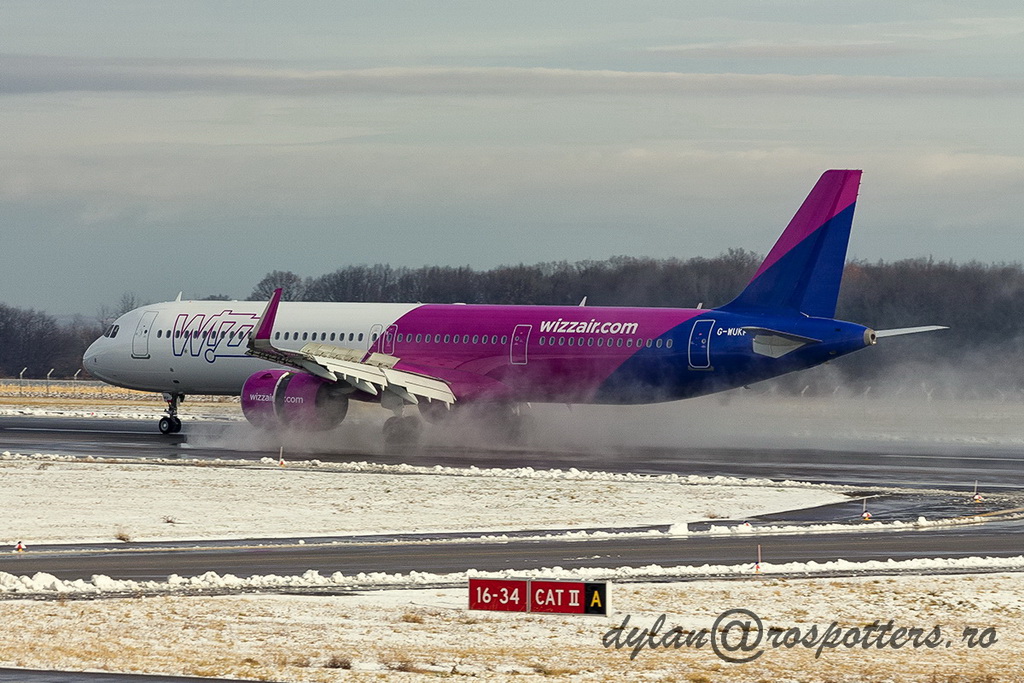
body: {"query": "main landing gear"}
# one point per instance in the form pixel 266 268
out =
pixel 400 430
pixel 170 424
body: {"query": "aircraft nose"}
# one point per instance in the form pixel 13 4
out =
pixel 94 359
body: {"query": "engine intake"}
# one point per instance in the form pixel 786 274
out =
pixel 281 398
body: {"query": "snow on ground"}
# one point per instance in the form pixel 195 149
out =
pixel 416 634
pixel 57 499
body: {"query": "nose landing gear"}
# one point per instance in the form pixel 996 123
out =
pixel 170 423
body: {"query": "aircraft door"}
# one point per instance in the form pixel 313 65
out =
pixel 387 342
pixel 700 344
pixel 520 340
pixel 140 342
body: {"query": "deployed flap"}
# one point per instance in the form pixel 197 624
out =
pixel 775 344
pixel 373 375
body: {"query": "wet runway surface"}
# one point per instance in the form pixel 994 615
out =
pixel 942 466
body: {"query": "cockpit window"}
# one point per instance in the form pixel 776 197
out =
pixel 112 331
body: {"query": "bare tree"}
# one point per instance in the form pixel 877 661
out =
pixel 129 302
pixel 293 286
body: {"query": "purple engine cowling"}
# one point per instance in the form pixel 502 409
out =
pixel 281 398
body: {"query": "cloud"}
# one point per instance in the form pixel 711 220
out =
pixel 786 50
pixel 24 74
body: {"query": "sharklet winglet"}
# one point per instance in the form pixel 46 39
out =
pixel 266 324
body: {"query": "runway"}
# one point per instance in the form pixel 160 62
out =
pixel 352 556
pixel 944 466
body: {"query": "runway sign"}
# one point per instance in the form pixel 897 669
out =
pixel 502 595
pixel 568 597
pixel 529 595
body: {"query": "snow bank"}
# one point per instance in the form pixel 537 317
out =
pixel 44 584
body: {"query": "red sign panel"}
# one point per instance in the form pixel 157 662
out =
pixel 563 597
pixel 504 595
pixel 530 595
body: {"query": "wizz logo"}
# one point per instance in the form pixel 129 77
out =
pixel 219 334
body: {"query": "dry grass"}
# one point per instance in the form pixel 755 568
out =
pixel 281 638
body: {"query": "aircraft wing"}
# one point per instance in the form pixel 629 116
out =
pixel 373 374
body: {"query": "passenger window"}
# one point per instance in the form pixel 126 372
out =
pixel 658 343
pixel 540 341
pixel 649 343
pixel 629 342
pixel 504 339
pixel 305 336
pixel 351 336
pixel 572 340
pixel 332 336
pixel 419 338
pixel 465 339
pixel 360 336
pixel 373 338
pixel 437 339
pixel 668 344
pixel 561 341
pixel 447 338
pixel 159 334
pixel 590 341
pixel 476 338
pixel 494 339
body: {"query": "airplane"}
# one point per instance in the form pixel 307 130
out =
pixel 298 364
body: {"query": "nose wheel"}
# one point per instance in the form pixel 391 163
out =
pixel 170 424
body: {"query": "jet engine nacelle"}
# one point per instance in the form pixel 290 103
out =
pixel 282 398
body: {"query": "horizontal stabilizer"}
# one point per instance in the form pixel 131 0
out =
pixel 897 332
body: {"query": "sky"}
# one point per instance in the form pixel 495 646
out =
pixel 153 148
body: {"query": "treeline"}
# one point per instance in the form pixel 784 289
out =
pixel 36 343
pixel 982 303
pixel 618 281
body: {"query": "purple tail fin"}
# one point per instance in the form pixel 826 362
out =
pixel 803 271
